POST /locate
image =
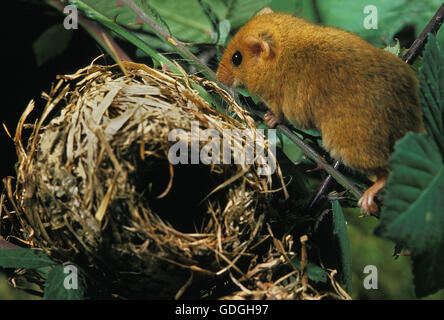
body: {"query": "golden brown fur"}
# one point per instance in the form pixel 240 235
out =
pixel 361 98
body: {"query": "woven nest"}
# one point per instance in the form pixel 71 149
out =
pixel 95 187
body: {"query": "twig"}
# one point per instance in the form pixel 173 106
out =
pixel 185 286
pixel 4 245
pixel 304 273
pixel 318 17
pixel 182 50
pixel 432 27
pixel 322 188
pixel 313 155
pixel 339 177
pixel 98 33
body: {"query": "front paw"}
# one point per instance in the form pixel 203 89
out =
pixel 270 120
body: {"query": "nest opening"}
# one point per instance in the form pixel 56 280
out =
pixel 183 205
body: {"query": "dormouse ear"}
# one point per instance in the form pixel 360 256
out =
pixel 265 10
pixel 258 46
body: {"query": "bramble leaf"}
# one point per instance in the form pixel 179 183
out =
pixel 389 17
pixel 341 234
pixel 186 20
pixel 64 283
pixel 413 214
pixel 431 91
pixel 413 210
pixel 24 258
pixel 52 42
pixel 291 150
pixel 428 271
pixel 315 272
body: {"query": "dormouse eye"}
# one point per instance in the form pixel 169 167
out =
pixel 237 58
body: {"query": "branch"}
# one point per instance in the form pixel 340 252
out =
pixel 432 27
pixel 5 245
pixel 323 188
pixel 309 152
pixel 317 13
pixel 313 155
pixel 98 33
pixel 181 49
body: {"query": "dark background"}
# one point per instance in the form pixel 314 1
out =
pixel 23 79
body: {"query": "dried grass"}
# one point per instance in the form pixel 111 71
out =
pixel 94 187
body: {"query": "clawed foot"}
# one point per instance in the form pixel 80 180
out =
pixel 368 204
pixel 270 120
pixel 367 201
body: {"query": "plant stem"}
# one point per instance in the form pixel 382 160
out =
pixel 315 7
pixel 432 27
pixel 339 177
pixel 181 49
pixel 5 245
pixel 97 32
pixel 322 188
pixel 313 155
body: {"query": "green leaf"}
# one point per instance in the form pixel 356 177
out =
pixel 285 6
pixel 244 92
pixel 392 16
pixel 413 210
pixel 224 30
pixel 291 150
pixel 431 93
pixel 315 272
pixel 428 270
pixel 24 258
pixel 186 19
pixel 238 12
pixel 52 42
pixel 64 283
pixel 133 38
pixel 341 234
pixel 300 8
pixel 130 36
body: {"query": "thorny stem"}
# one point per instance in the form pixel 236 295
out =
pixel 313 155
pixel 314 4
pixel 339 177
pixel 4 245
pixel 97 32
pixel 322 188
pixel 182 50
pixel 432 27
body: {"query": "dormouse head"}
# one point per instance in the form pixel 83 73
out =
pixel 247 52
